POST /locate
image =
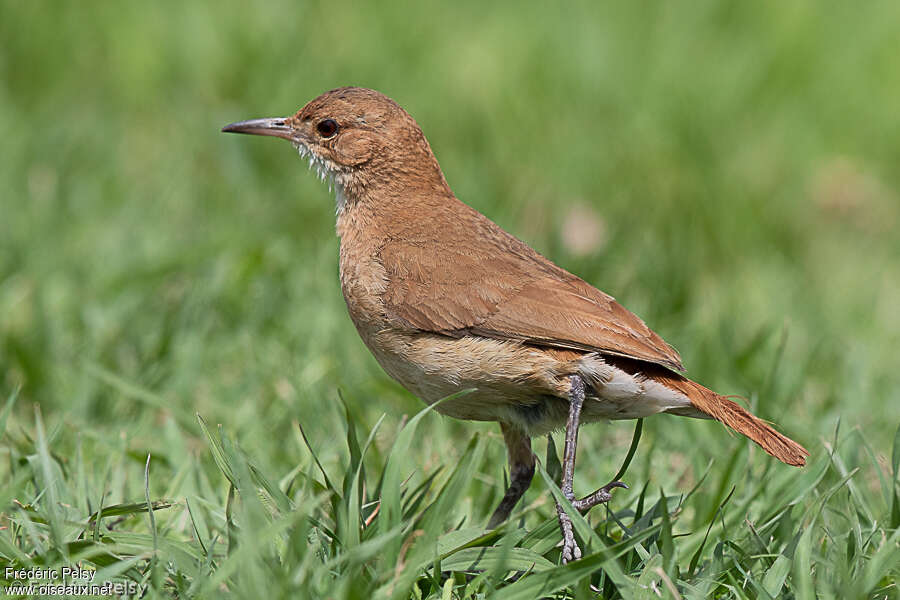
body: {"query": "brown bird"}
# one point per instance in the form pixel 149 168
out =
pixel 446 300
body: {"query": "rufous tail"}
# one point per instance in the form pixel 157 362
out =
pixel 741 420
pixel 706 402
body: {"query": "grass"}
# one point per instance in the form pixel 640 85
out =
pixel 727 171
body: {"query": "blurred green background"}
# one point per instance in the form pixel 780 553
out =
pixel 728 171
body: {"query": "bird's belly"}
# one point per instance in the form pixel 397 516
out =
pixel 492 379
pixel 495 380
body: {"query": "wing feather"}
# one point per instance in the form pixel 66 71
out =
pixel 473 278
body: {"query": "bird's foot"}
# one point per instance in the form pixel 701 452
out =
pixel 570 549
pixel 601 496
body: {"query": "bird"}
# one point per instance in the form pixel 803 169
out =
pixel 446 300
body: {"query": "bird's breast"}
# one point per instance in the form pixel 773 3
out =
pixel 363 284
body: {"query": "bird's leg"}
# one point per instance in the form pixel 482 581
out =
pixel 571 551
pixel 521 470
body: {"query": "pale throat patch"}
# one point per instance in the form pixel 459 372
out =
pixel 326 172
pixel 339 197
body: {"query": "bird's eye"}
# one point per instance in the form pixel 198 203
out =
pixel 327 128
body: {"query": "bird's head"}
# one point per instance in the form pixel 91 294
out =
pixel 360 140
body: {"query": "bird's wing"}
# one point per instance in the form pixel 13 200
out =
pixel 488 283
pixel 572 314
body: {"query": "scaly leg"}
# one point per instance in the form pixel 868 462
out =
pixel 521 470
pixel 571 551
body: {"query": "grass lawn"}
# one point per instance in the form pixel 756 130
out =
pixel 172 333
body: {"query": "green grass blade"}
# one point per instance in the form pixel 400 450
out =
pixel 7 408
pixel 895 470
pixel 635 440
pixel 391 511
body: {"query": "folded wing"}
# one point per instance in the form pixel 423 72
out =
pixel 479 280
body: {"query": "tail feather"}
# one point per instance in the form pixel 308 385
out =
pixel 707 403
pixel 741 420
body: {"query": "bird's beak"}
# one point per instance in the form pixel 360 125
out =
pixel 276 127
